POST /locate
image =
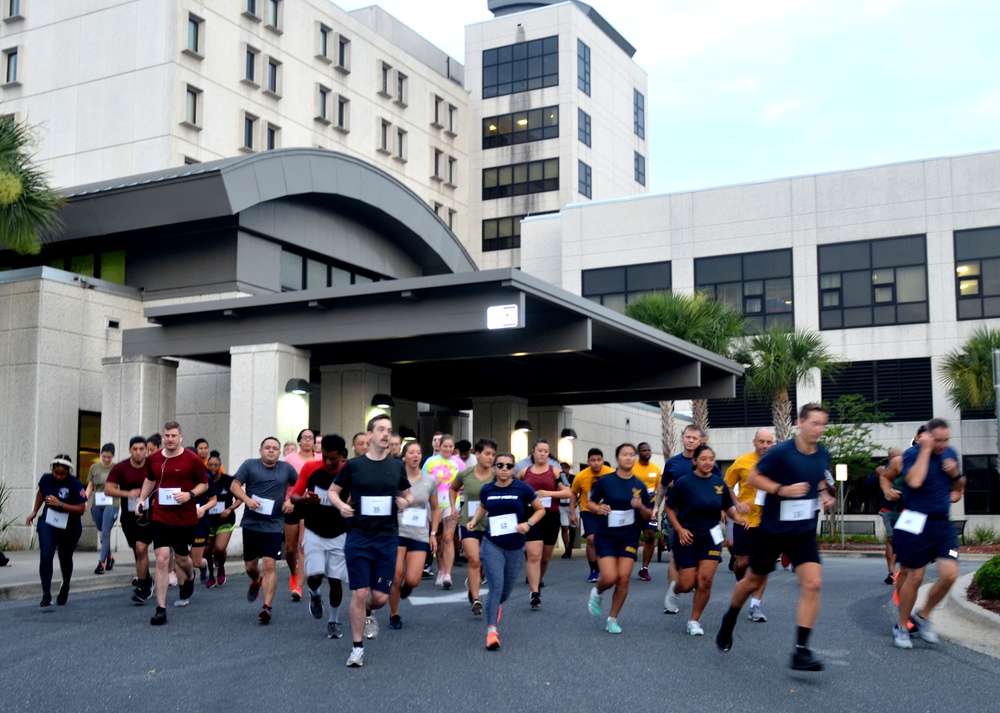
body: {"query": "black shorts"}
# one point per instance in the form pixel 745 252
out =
pixel 134 531
pixel 466 534
pixel 743 540
pixel 547 530
pixel 614 547
pixel 262 544
pixel 201 532
pixel 177 537
pixel 702 548
pixel 937 540
pixel 799 547
pixel 411 545
pixel 293 518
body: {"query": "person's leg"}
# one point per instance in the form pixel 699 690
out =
pixel 511 571
pixel 197 557
pixel 705 576
pixel 947 574
pixel 908 584
pixel 270 585
pixel 607 577
pixel 97 515
pixel 210 556
pixel 446 551
pixel 890 556
pixel 413 568
pixel 534 565
pixel 810 576
pixel 740 568
pixel 219 551
pixel 162 574
pixel 544 564
pixel 142 561
pixel 493 564
pixel 591 553
pixel 686 580
pixel 110 516
pixel 623 572
pixel 648 547
pixel 397 583
pixel 358 613
pixel 184 568
pixel 47 545
pixel 471 547
pixel 292 554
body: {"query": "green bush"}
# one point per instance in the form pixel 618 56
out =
pixel 988 579
pixel 982 535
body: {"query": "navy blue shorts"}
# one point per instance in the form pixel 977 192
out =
pixel 590 521
pixel 743 540
pixel 799 547
pixel 412 545
pixel 262 544
pixel 466 534
pixel 702 548
pixel 614 547
pixel 371 561
pixel 937 540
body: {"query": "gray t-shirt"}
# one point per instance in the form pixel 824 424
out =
pixel 423 490
pixel 269 483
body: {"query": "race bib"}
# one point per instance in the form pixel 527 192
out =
pixel 503 524
pixel 443 500
pixel 760 497
pixel 793 510
pixel 911 521
pixel 716 533
pixel 132 502
pixel 415 517
pixel 166 496
pixel 266 506
pixel 55 518
pixel 546 503
pixel 217 509
pixel 376 505
pixel 103 501
pixel 323 494
pixel 621 518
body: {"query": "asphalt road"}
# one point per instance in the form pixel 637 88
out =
pixel 99 653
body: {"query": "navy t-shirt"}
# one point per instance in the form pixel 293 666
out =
pixel 934 496
pixel 786 465
pixel 698 502
pixel 70 490
pixel 617 493
pixel 514 499
pixel 224 495
pixel 363 477
pixel 679 466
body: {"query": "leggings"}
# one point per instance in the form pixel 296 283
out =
pixel 104 518
pixel 50 540
pixel 501 567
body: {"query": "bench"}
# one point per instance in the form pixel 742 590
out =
pixel 851 527
pixel 959 526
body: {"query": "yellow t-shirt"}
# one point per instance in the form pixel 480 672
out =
pixel 648 474
pixel 584 481
pixel 738 473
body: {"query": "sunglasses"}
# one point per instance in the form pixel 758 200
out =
pixel 505 466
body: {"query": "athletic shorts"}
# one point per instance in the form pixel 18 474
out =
pixel 325 555
pixel 262 544
pixel 178 537
pixel 889 518
pixel 135 532
pixel 937 540
pixel 743 541
pixel 614 547
pixel 767 548
pixel 224 527
pixel 292 518
pixel 412 545
pixel 201 532
pixel 564 514
pixel 371 561
pixel 547 530
pixel 651 525
pixel 589 521
pixel 466 534
pixel 702 548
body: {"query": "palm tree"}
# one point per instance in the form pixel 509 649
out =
pixel 968 371
pixel 28 206
pixel 697 319
pixel 779 357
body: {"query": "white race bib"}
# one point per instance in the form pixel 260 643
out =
pixel 55 518
pixel 323 494
pixel 443 500
pixel 911 521
pixel 376 505
pixel 103 501
pixel 546 503
pixel 217 508
pixel 132 502
pixel 266 506
pixel 792 510
pixel 621 518
pixel 760 497
pixel 415 517
pixel 503 524
pixel 166 496
pixel 716 533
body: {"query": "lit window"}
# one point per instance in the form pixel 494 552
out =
pixel 977 273
pixel 757 284
pixel 521 127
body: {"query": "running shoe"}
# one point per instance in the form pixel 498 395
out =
pixel 568 554
pixel 595 602
pixel 644 575
pixel 671 602
pixel 203 573
pixel 182 602
pixel 493 641
pixel 803 660
pixel 446 582
pixel 612 626
pixel 159 618
pixel 440 579
pixel 477 608
pixel 395 622
pixel 427 573
pixel 210 583
pixel 99 569
pixel 889 578
pixel 64 595
pixel 756 614
pixel 371 628
pixel 296 595
pixel 921 626
pixel 140 594
pixel 536 600
pixel 172 579
pixel 264 617
pixel 111 563
pixel 333 630
pixel 315 605
pixel 187 589
pixel 593 576
pixel 694 629
pixel 254 589
pixel 46 600
pixel 901 638
pixel 221 579
pixel 135 581
pixel 357 657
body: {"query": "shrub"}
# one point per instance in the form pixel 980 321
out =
pixel 982 535
pixel 988 579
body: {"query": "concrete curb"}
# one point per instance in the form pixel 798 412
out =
pixel 963 622
pixel 970 611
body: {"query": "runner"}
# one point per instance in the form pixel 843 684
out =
pixel 471 481
pixel 444 467
pixel 567 531
pixel 892 502
pixel 125 482
pixel 59 527
pixel 222 521
pixel 541 540
pixel 622 504
pixel 650 474
pixel 103 507
pixel 583 482
pixel 206 501
pixel 308 452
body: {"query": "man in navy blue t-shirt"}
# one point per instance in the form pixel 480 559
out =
pixel 792 474
pixel 923 533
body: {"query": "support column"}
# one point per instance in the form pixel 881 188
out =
pixel 139 395
pixel 548 422
pixel 494 417
pixel 259 406
pixel 347 391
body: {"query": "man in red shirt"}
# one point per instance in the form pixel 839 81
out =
pixel 179 477
pixel 125 481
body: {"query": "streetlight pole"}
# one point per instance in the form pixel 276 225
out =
pixel 841 471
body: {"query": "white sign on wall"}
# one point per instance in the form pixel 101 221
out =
pixel 501 317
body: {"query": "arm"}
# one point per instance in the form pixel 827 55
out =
pixel 90 489
pixel 536 506
pixel 334 495
pixel 917 473
pixel 738 519
pixel 202 509
pixel 474 520
pixel 147 488
pixel 237 490
pixel 683 534
pixel 74 509
pixel 111 488
pixel 435 520
pixel 36 508
pixel 888 475
pixel 758 480
pixel 573 504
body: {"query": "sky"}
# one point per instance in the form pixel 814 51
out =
pixel 749 91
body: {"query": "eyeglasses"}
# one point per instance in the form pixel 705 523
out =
pixel 505 466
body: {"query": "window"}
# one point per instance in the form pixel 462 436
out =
pixel 452 120
pixel 273 76
pixel 452 218
pixel 521 179
pixel 977 273
pixel 401 88
pixel 438 112
pixel 384 136
pixel 982 485
pixel 301 272
pixel 343 54
pixel 11 75
pixel 452 172
pixel 250 66
pixel 757 284
pixel 639 113
pixel 249 131
pixel 385 79
pixel 904 384
pixel 585 180
pixel 640 169
pixel 195 46
pixel 521 127
pixel 13 10
pixel 251 10
pixel 873 283
pixel 400 144
pixel 583 126
pixel 88 446
pixel 271 137
pixel 745 410
pixel 615 287
pixel 502 233
pixel 108 266
pixel 343 114
pixel 273 15
pixel 583 67
pixel 192 106
pixel 322 104
pixel 323 43
pixel 438 165
pixel 521 67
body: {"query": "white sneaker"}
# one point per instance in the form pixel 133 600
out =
pixel 756 614
pixel 595 602
pixel 182 602
pixel 671 602
pixel 357 657
pixel 440 579
pixel 901 638
pixel 694 629
pixel 172 579
pixel 371 629
pixel 923 629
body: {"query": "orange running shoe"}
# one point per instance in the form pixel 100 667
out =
pixel 493 641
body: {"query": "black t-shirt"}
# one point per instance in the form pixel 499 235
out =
pixel 506 507
pixel 699 502
pixel 362 478
pixel 323 519
pixel 224 494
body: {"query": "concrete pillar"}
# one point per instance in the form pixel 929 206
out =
pixel 347 391
pixel 259 406
pixel 139 395
pixel 494 417
pixel 548 422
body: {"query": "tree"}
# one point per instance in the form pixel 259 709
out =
pixel 28 206
pixel 697 319
pixel 848 438
pixel 779 357
pixel 967 372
